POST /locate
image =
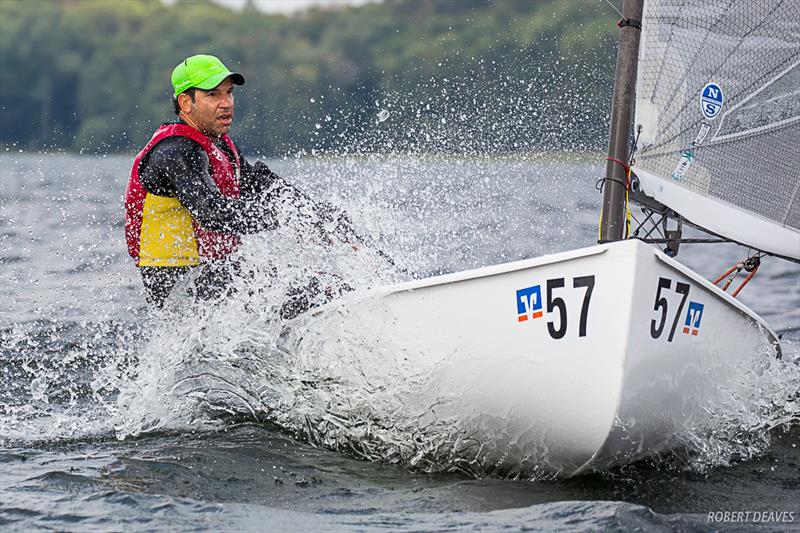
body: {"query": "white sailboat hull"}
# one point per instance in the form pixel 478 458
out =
pixel 594 367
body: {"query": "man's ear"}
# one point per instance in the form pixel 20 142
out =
pixel 185 102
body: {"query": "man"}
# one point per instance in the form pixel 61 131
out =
pixel 191 194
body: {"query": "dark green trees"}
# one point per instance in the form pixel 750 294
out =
pixel 465 76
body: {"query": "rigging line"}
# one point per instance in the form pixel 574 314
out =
pixel 629 171
pixel 656 226
pixel 745 282
pixel 615 8
pixel 751 265
pixel 726 273
pixel 641 224
pixel 638 224
pixel 600 183
pixel 632 158
pixel 627 200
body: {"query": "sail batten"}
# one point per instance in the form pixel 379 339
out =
pixel 718 100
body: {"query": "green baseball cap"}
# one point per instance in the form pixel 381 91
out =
pixel 202 71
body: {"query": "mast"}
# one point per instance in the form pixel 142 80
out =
pixel 612 222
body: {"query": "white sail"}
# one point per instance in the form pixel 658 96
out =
pixel 718 100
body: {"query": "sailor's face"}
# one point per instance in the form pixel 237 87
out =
pixel 212 110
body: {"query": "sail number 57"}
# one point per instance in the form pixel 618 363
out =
pixel 529 304
pixel 554 302
pixel 658 324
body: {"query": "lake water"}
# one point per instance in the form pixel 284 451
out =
pixel 112 417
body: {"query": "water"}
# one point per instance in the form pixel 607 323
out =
pixel 111 417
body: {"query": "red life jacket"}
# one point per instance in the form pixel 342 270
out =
pixel 160 231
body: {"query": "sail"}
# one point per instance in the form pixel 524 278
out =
pixel 718 102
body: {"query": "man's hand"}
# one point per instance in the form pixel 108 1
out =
pixel 344 229
pixel 334 224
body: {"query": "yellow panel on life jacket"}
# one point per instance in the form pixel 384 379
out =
pixel 167 236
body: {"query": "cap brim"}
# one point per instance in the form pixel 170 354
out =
pixel 213 81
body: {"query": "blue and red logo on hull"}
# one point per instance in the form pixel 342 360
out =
pixel 693 316
pixel 529 303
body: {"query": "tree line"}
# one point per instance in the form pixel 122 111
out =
pixel 415 76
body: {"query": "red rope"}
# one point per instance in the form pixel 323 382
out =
pixel 623 165
pixel 738 268
pixel 728 284
pixel 734 267
pixel 753 273
pixel 617 161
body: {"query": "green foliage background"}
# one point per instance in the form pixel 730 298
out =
pixel 458 76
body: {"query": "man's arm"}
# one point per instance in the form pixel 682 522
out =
pixel 179 166
pixel 258 178
pixel 328 221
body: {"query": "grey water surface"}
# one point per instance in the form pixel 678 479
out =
pixel 79 453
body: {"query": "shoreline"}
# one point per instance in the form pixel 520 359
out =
pixel 542 156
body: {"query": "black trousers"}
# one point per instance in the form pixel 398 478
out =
pixel 213 280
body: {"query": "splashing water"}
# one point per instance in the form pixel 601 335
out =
pixel 318 377
pixel 766 397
